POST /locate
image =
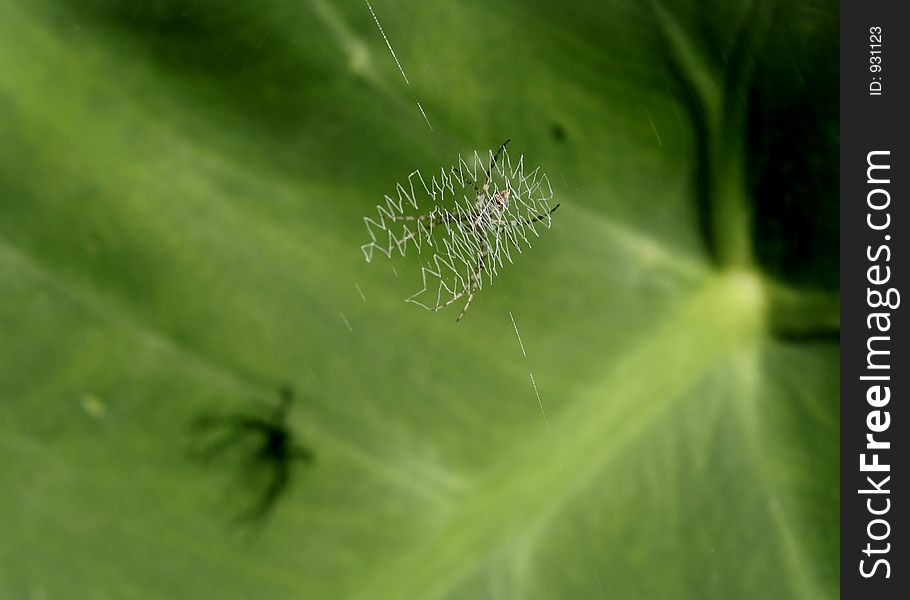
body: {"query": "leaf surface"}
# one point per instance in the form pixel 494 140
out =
pixel 182 186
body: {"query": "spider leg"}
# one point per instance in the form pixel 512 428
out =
pixel 411 217
pixel 459 216
pixel 472 182
pixel 475 282
pixel 461 294
pixel 400 244
pixel 486 185
pixel 438 219
pixel 531 220
pixel 451 300
pixel 468 303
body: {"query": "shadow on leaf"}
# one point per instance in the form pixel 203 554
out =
pixel 263 447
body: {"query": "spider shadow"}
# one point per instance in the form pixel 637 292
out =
pixel 267 449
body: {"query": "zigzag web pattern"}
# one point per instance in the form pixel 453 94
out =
pixel 465 226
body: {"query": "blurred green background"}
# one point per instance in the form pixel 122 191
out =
pixel 182 186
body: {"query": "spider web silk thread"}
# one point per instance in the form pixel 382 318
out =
pixel 520 343
pixel 450 244
pixel 574 515
pixel 397 62
pixel 421 234
pixel 387 42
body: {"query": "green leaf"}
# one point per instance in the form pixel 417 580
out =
pixel 182 186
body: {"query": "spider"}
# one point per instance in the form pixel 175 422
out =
pixel 274 448
pixel 485 220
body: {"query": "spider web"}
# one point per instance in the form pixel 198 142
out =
pixel 454 230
